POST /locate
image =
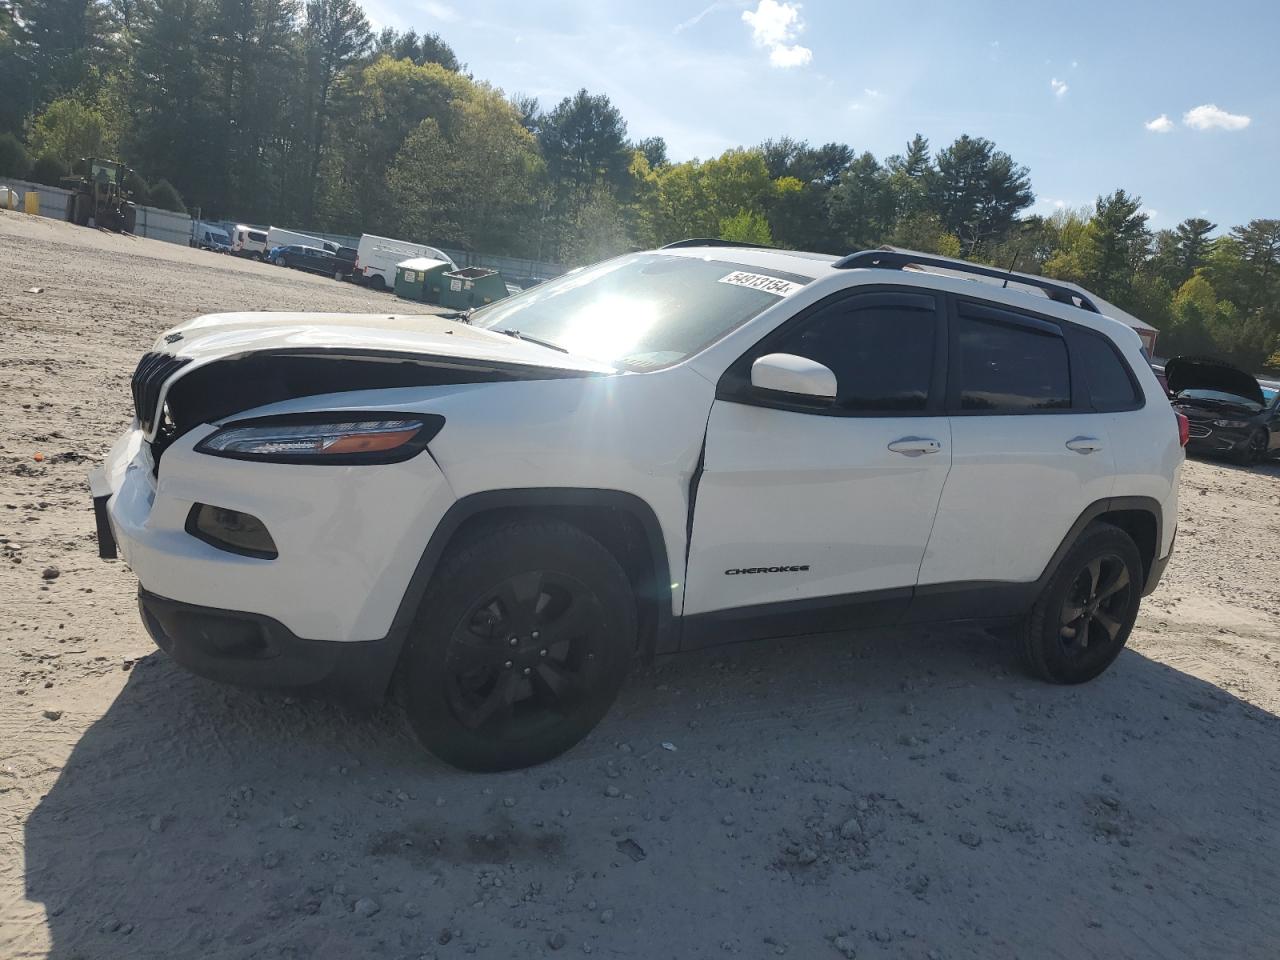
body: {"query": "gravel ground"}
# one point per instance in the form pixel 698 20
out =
pixel 879 795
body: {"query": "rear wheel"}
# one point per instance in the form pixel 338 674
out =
pixel 377 282
pixel 519 647
pixel 281 262
pixel 1082 620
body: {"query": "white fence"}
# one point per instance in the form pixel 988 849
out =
pixel 152 221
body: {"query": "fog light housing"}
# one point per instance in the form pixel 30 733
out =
pixel 231 530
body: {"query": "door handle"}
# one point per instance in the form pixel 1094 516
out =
pixel 1084 445
pixel 915 446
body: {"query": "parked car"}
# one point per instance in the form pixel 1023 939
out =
pixel 667 450
pixel 376 259
pixel 1229 412
pixel 345 264
pixel 280 237
pixel 248 242
pixel 299 257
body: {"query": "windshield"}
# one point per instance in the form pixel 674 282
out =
pixel 643 310
pixel 1218 396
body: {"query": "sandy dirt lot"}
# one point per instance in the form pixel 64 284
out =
pixel 879 795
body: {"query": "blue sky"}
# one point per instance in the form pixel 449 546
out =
pixel 1074 90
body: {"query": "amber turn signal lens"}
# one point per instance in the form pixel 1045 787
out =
pixel 370 442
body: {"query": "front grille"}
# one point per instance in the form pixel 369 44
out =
pixel 153 370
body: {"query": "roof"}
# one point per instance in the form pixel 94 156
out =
pixel 815 265
pixel 1104 307
pixel 811 265
pixel 421 263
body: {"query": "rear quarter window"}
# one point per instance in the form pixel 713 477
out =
pixel 1111 384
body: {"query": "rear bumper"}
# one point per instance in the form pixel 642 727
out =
pixel 248 649
pixel 1158 567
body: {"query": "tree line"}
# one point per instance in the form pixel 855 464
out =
pixel 297 112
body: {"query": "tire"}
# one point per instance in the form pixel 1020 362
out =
pixel 378 282
pixel 1060 648
pixel 280 262
pixel 520 646
pixel 1253 450
pixel 337 275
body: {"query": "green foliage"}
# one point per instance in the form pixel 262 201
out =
pixel 48 170
pixel 295 111
pixel 70 129
pixel 14 161
pixel 746 226
pixel 468 186
pixel 164 195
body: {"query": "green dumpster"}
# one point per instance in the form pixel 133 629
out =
pixel 421 278
pixel 472 287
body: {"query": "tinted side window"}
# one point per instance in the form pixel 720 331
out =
pixel 1005 367
pixel 1110 385
pixel 882 355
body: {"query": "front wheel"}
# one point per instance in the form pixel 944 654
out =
pixel 1082 620
pixel 281 262
pixel 1254 449
pixel 519 647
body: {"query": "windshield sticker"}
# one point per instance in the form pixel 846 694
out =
pixel 758 281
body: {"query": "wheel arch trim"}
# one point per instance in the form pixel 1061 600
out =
pixel 665 637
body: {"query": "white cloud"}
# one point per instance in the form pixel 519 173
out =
pixel 774 27
pixel 1060 87
pixel 1209 116
pixel 1074 64
pixel 1161 124
pixel 1149 213
pixel 870 92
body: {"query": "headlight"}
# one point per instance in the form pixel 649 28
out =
pixel 1231 424
pixel 324 438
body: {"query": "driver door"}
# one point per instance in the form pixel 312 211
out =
pixel 813 516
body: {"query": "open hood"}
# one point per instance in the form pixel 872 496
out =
pixel 221 335
pixel 218 365
pixel 1202 373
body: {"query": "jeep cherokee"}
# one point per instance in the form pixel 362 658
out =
pixel 674 448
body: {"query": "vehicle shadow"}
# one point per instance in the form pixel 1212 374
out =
pixel 910 792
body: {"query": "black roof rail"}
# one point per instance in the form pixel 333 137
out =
pixel 898 259
pixel 714 242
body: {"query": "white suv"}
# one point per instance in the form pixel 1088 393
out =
pixel 688 446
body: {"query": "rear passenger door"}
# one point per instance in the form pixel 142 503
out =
pixel 1028 452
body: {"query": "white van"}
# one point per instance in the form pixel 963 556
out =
pixel 248 242
pixel 210 236
pixel 279 237
pixel 376 259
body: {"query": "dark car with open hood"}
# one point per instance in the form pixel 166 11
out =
pixel 1229 412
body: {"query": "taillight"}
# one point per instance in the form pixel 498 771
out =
pixel 1184 428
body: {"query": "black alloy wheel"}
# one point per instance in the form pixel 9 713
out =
pixel 524 657
pixel 520 645
pixel 1083 617
pixel 1094 608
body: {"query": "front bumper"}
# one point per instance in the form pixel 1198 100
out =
pixel 251 650
pixel 348 537
pixel 1206 438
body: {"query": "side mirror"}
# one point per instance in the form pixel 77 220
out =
pixel 798 376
